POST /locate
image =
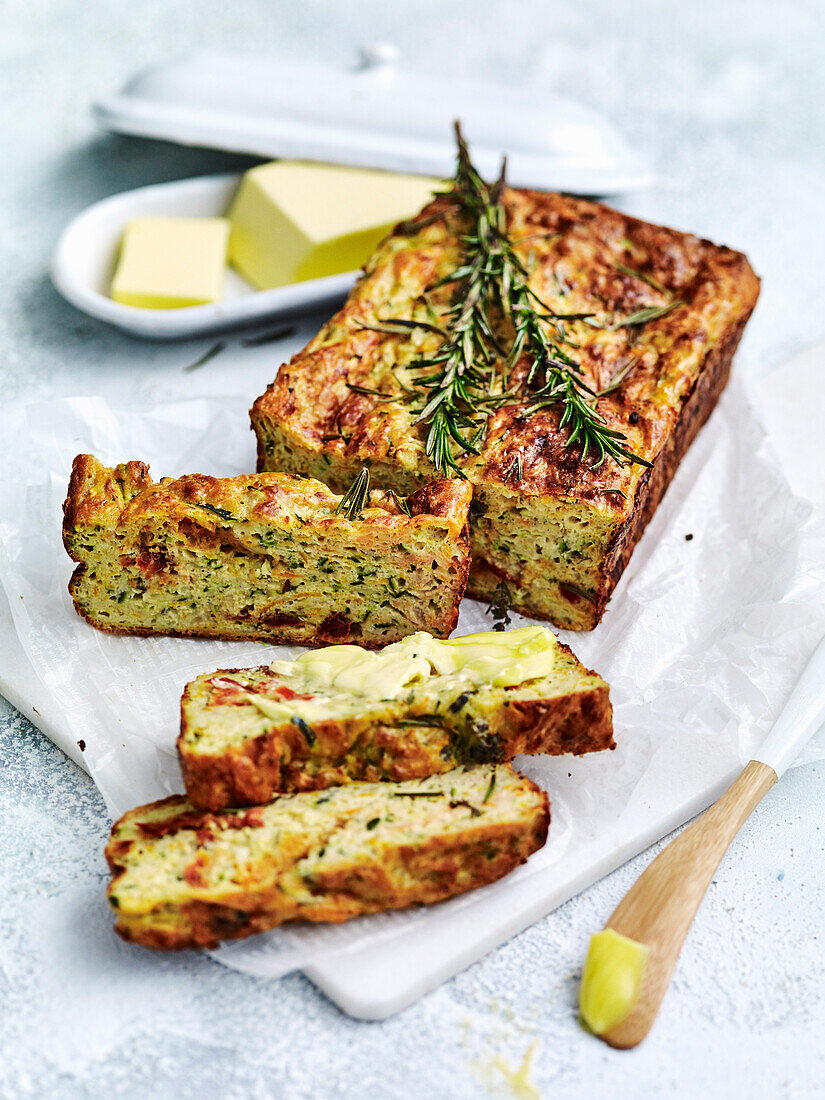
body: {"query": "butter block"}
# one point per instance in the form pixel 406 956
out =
pixel 293 221
pixel 167 263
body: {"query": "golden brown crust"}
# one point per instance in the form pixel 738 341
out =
pixel 715 283
pixel 699 403
pixel 696 409
pixel 97 494
pixel 709 279
pixel 442 498
pixel 445 870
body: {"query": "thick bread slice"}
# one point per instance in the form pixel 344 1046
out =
pixel 262 556
pixel 551 533
pixel 248 733
pixel 183 878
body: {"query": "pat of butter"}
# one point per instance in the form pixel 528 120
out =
pixel 611 980
pixel 167 263
pixel 339 675
pixel 293 221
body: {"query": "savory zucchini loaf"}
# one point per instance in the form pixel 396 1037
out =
pixel 649 318
pixel 183 878
pixel 268 556
pixel 418 708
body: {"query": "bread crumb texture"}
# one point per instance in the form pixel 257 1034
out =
pixel 262 557
pixel 420 707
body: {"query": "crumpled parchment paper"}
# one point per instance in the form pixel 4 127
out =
pixel 715 617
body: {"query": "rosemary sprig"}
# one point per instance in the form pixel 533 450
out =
pixel 464 367
pixel 580 592
pixel 415 225
pixel 553 376
pixel 471 375
pixel 399 326
pixel 618 378
pixel 400 502
pixel 269 337
pixel 372 393
pixel 641 316
pixel 560 382
pixel 645 278
pixel 354 500
pixel 216 349
pixel 515 470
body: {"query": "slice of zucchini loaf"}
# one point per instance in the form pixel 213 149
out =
pixel 418 708
pixel 267 556
pixel 651 317
pixel 183 878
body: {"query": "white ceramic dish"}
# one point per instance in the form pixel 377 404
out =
pixel 383 977
pixel 84 259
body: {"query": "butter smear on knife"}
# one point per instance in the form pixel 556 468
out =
pixel 612 979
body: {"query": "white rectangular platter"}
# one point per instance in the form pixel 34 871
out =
pixel 702 643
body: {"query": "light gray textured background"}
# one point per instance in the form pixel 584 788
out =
pixel 728 100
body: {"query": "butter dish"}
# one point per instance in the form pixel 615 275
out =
pixel 84 261
pixel 376 114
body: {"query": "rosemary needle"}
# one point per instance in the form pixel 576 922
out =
pixel 645 278
pixel 269 337
pixel 400 502
pixel 216 349
pixel 354 501
pixel 464 367
pixel 642 316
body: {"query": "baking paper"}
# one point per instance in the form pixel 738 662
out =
pixel 715 617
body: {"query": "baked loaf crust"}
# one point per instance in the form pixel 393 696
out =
pixel 248 733
pixel 261 556
pixel 554 531
pixel 183 878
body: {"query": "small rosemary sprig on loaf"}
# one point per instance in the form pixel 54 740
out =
pixel 472 368
pixel 355 499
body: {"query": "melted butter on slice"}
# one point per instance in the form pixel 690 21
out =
pixel 611 980
pixel 352 669
pixel 338 674
pixel 503 659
